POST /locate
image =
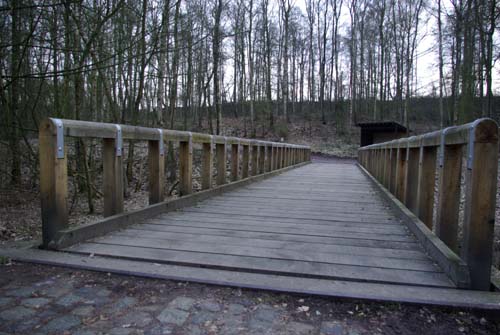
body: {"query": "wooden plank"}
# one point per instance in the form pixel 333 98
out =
pixel 156 164
pixel 276 229
pixel 280 236
pixel 112 179
pixel 207 166
pixel 255 158
pixel 53 185
pixel 449 197
pixel 337 226
pixel 186 167
pixel 400 174
pixel 245 161
pixel 463 299
pixel 285 211
pixel 262 213
pixel 220 248
pixel 426 184
pixel 235 162
pixel 411 175
pixel 262 158
pixel 262 265
pixel 234 218
pixel 221 153
pixel 297 245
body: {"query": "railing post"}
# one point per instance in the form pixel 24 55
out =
pixel 411 189
pixel 426 183
pixel 450 167
pixel 269 157
pixel 255 157
pixel 221 162
pixel 53 181
pixel 245 161
pixel 207 164
pixel 156 163
pixel 388 168
pixel 400 172
pixel 480 201
pixel 235 161
pixel 262 158
pixel 394 165
pixel 113 174
pixel 186 166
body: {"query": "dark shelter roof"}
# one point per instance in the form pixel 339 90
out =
pixel 382 126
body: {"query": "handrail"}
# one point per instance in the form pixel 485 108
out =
pixel 407 168
pixel 266 157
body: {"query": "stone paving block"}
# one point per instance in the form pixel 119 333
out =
pixel 160 330
pixel 70 299
pixel 299 328
pixel 236 309
pixel 84 332
pixel 211 306
pixel 61 324
pixel 182 303
pixel 202 316
pixel 16 313
pixel 84 311
pixel 121 305
pixel 173 315
pixel 35 302
pixel 122 331
pixel 56 291
pixel 331 328
pixel 136 319
pixel 22 292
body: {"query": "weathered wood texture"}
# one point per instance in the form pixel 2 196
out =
pixel 53 164
pixel 414 185
pixel 321 221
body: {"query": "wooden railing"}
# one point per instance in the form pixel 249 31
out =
pixel 261 156
pixel 407 168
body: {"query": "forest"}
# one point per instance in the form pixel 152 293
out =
pixel 259 66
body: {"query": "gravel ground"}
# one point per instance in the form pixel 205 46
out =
pixel 48 300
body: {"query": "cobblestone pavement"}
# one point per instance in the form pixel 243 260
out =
pixel 47 300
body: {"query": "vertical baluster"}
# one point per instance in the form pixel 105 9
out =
pixel 186 166
pixel 449 195
pixel 426 183
pixel 220 149
pixel 411 189
pixel 400 172
pixel 262 158
pixel 235 161
pixel 245 161
pixel 255 157
pixel 207 164
pixel 156 163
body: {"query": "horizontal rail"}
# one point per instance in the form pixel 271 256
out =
pixel 256 157
pixel 407 168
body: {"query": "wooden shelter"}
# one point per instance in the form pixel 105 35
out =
pixel 378 132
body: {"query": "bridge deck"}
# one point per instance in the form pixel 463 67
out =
pixel 322 221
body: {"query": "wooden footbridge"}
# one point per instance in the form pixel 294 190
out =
pixel 386 228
